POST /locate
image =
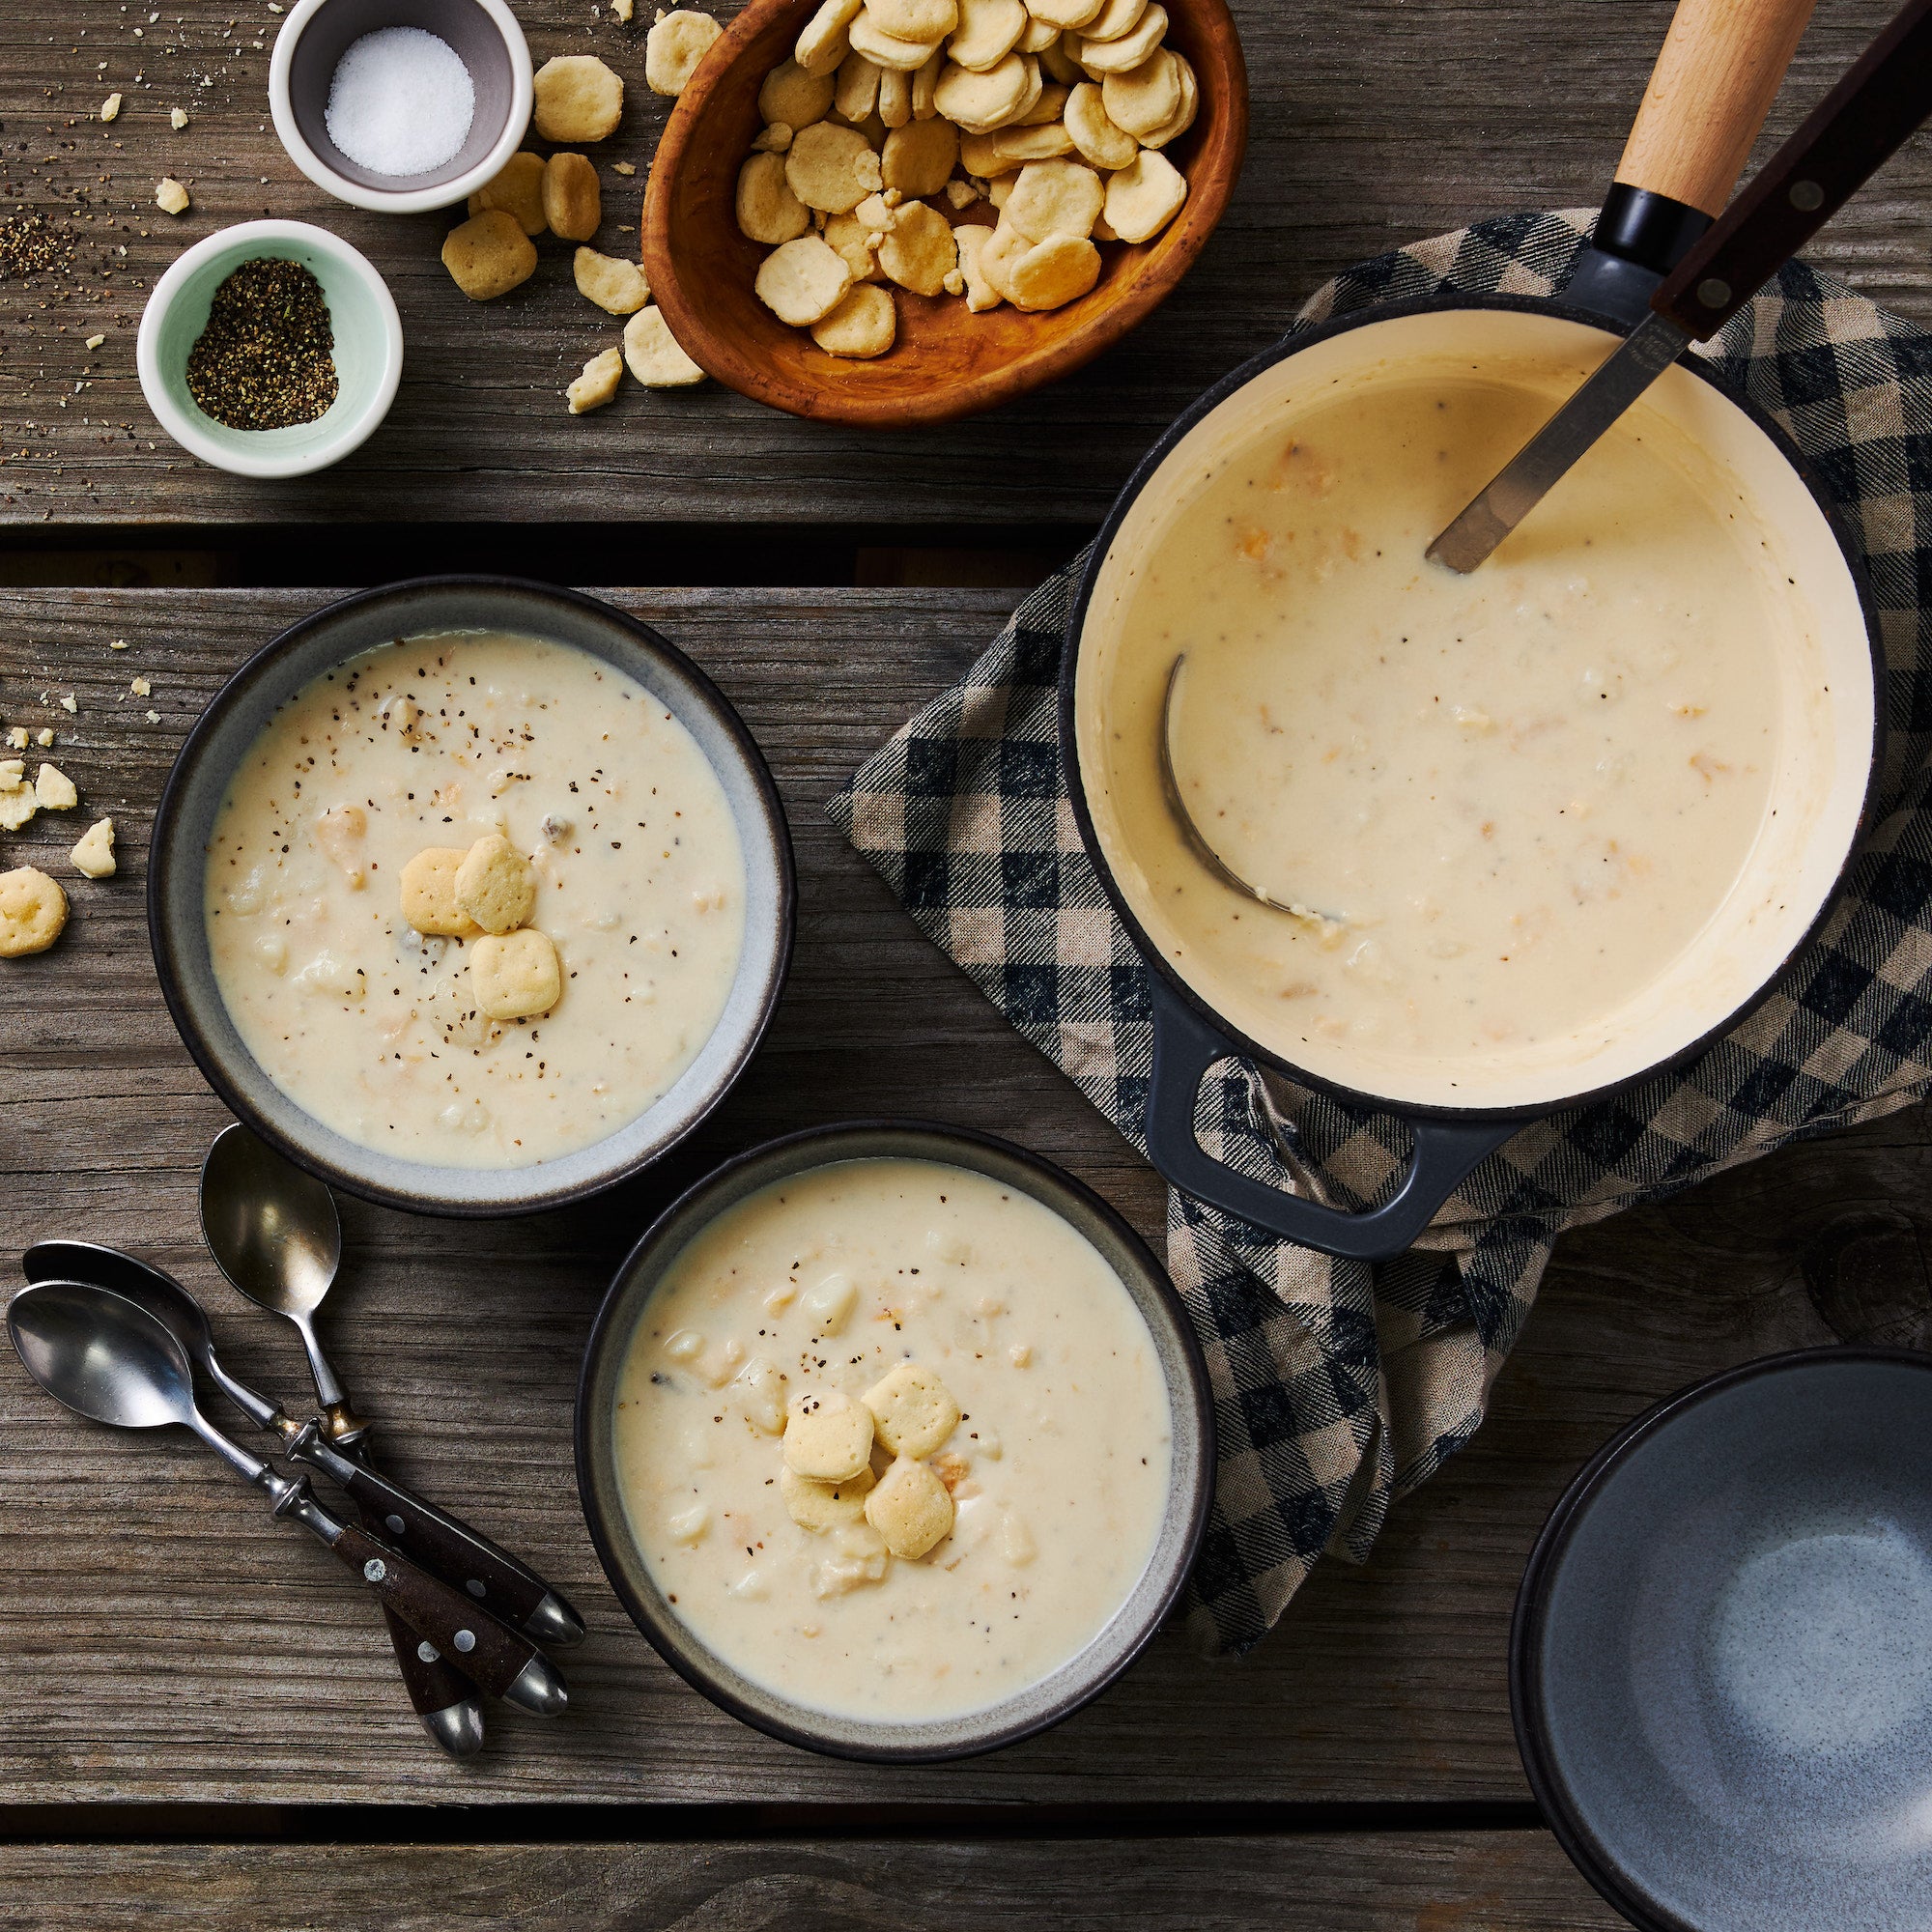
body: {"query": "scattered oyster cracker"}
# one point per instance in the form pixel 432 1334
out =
pixel 93 856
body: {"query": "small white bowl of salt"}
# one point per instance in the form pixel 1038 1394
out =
pixel 400 105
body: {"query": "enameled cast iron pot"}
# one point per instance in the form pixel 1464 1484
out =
pixel 1083 1676
pixel 1774 908
pixel 236 717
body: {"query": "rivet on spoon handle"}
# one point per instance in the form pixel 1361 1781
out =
pixel 490 1573
pixel 443 1699
pixel 503 1662
pixel 108 1359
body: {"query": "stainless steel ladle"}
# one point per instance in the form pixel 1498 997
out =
pixel 110 1359
pixel 445 1700
pixel 275 1235
pixel 1196 840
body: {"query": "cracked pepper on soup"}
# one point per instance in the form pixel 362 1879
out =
pixel 892 1439
pixel 592 956
pixel 1500 805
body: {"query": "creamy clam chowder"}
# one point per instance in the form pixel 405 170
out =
pixel 894 1439
pixel 623 867
pixel 1502 803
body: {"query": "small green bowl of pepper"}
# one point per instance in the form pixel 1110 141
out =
pixel 270 322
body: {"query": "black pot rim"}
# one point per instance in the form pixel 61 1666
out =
pixel 605 1535
pixel 1529 1717
pixel 188 1026
pixel 1240 1045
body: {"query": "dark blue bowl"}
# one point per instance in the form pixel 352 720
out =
pixel 1721 1666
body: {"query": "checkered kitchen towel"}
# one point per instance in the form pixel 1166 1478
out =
pixel 1340 1387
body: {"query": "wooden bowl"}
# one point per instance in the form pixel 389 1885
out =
pixel 947 362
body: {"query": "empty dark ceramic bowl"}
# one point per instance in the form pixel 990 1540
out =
pixel 1083 1676
pixel 485 36
pixel 237 714
pixel 1721 1666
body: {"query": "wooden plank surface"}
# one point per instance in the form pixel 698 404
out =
pixel 164 1640
pixel 1425 1882
pixel 1375 121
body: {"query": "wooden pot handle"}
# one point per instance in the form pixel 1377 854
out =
pixel 1712 85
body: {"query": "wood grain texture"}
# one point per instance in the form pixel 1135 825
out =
pixel 1375 121
pixel 947 362
pixel 1721 67
pixel 1427 1882
pixel 165 1640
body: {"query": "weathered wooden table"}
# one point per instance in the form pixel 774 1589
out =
pixel 201 1725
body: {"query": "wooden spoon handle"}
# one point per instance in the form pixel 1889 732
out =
pixel 511 1589
pixel 1709 93
pixel 497 1658
pixel 435 1684
pixel 1884 98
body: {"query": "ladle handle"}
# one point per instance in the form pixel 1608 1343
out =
pixel 1883 99
pixel 1185 1046
pixel 1712 85
pixel 490 1575
pixel 501 1661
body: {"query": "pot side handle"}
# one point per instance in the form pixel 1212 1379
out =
pixel 1185 1047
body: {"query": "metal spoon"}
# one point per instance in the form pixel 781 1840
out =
pixel 275 1233
pixel 110 1359
pixel 256 1208
pixel 445 1701
pixel 1196 840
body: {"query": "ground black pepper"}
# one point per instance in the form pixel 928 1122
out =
pixel 266 361
pixel 28 245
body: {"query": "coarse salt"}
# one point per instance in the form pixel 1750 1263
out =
pixel 401 101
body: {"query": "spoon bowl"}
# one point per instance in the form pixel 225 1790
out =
pixel 946 362
pixel 274 1233
pixel 272 1227
pixel 164 1299
pixel 160 1295
pixel 102 1355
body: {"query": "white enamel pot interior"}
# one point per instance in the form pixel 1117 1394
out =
pixel 1463 1109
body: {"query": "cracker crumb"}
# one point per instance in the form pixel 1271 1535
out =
pixel 18 801
pixel 170 196
pixel 623 167
pixel 154 716
pixel 177 118
pixel 110 107
pixel 623 10
pixel 119 644
pixel 45 738
pixel 69 705
pixel 94 341
pixel 16 737
pixel 592 390
pixel 55 790
pixel 93 856
pixel 140 687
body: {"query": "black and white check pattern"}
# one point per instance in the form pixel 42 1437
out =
pixel 1339 1386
